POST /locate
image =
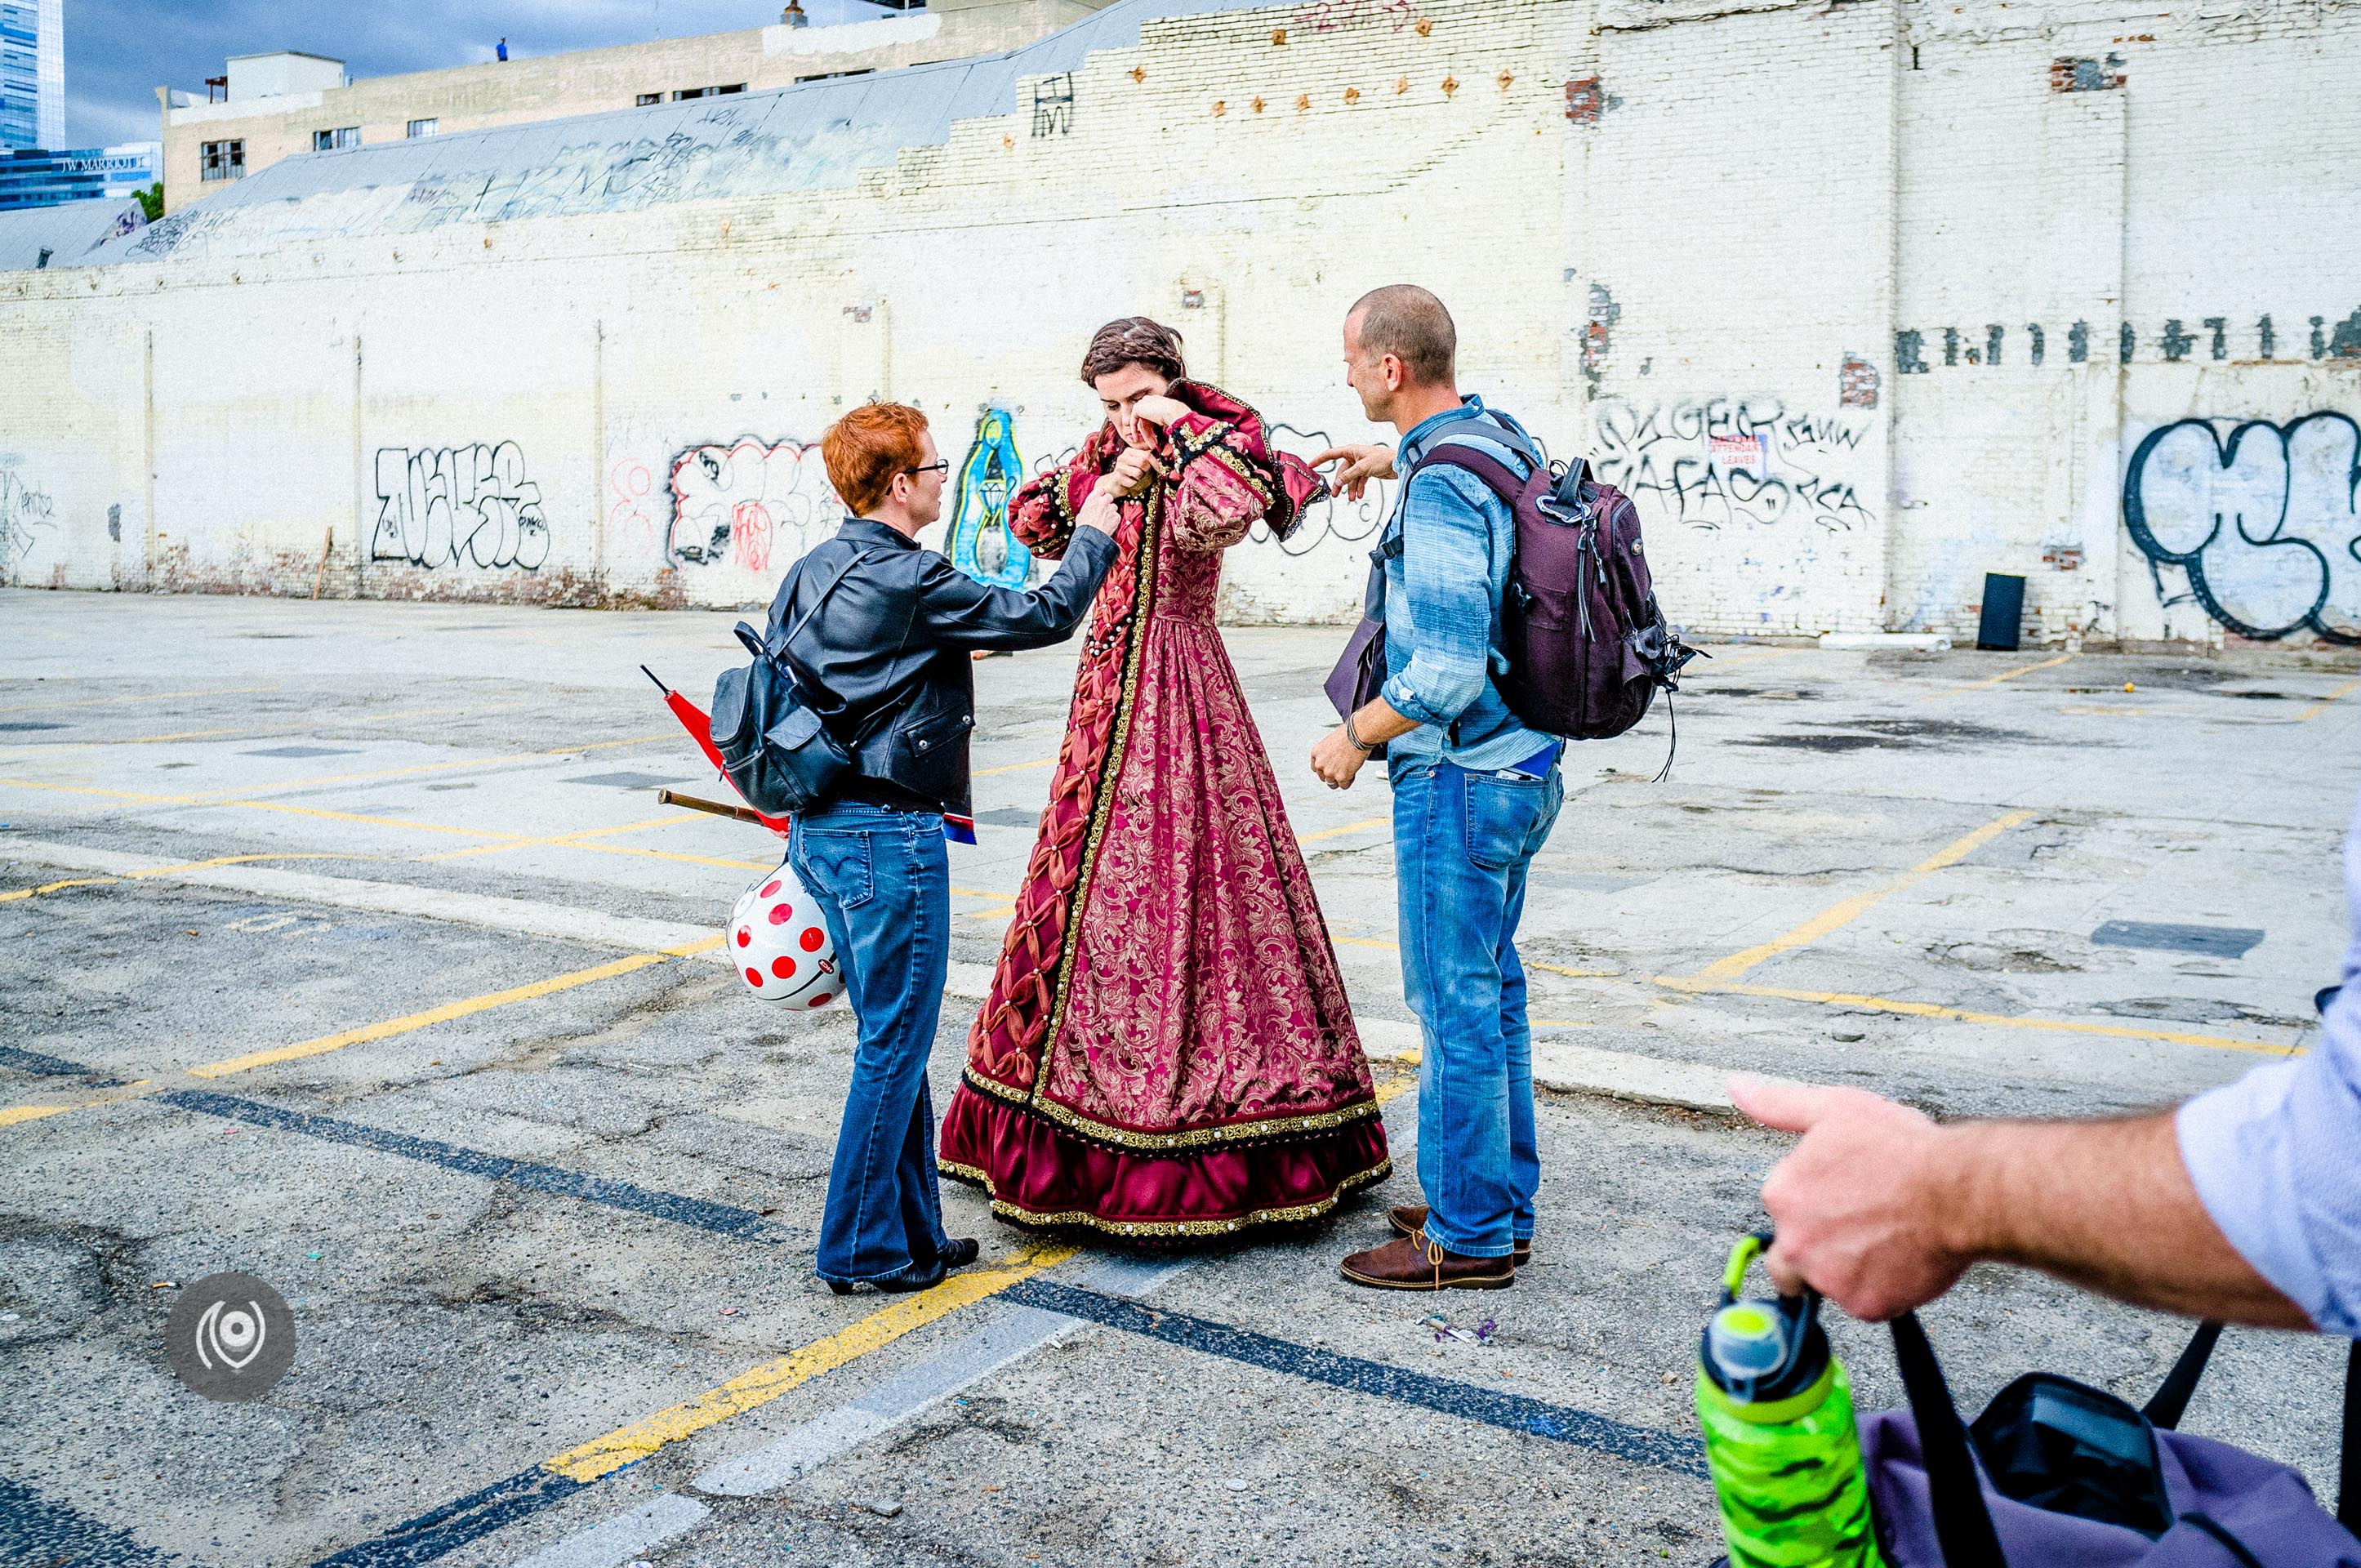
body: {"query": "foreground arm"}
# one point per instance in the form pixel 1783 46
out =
pixel 957 611
pixel 1881 1210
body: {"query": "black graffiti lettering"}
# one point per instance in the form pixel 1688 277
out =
pixel 2126 342
pixel 458 506
pixel 1951 346
pixel 2078 344
pixel 1722 462
pixel 1993 333
pixel 2263 523
pixel 2266 339
pixel 1910 354
pixel 2221 336
pixel 734 504
pixel 2034 341
pixel 2175 342
pixel 2346 344
pixel 2319 341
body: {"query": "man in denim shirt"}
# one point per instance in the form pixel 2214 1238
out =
pixel 1475 794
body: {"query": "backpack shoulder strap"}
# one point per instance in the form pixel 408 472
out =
pixel 1963 1526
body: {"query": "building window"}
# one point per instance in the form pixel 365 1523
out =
pixel 328 141
pixel 707 91
pixel 423 129
pixel 648 98
pixel 222 159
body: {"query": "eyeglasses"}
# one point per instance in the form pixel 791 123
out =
pixel 939 465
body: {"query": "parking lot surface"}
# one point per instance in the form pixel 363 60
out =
pixel 348 946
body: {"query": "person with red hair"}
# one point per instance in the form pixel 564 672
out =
pixel 877 634
pixel 1167 1052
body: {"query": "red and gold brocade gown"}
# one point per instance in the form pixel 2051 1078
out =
pixel 1167 1051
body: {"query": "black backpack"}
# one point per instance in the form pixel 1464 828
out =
pixel 774 742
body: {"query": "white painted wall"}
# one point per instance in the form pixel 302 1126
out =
pixel 1756 279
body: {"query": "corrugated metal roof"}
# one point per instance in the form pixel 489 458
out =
pixel 811 136
pixel 69 231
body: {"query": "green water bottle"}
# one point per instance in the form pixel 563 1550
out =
pixel 1776 1411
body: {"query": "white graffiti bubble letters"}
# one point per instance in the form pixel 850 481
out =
pixel 25 515
pixel 458 506
pixel 2264 522
pixel 752 504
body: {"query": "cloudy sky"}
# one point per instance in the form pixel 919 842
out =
pixel 119 52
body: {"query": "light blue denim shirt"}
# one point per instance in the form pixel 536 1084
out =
pixel 2276 1156
pixel 1442 605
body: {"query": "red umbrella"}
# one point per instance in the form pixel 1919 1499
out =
pixel 693 719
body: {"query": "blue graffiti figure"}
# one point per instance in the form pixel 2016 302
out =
pixel 981 546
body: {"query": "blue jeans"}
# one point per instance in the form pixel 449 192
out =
pixel 883 885
pixel 1462 843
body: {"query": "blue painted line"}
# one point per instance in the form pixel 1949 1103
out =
pixel 726 1219
pixel 34 1530
pixel 54 1066
pixel 454 1525
pixel 1533 1418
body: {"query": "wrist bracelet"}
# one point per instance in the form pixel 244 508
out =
pixel 1354 736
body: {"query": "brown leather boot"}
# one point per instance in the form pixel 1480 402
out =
pixel 1414 1263
pixel 1409 1218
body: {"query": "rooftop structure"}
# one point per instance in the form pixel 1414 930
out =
pixel 38 237
pixel 267 107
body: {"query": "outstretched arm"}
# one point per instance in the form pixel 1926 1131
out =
pixel 957 611
pixel 1881 1209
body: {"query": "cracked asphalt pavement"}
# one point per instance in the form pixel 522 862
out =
pixel 347 946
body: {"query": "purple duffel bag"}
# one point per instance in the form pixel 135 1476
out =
pixel 2056 1472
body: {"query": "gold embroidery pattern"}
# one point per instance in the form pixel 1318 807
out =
pixel 1174 1229
pixel 1271 1130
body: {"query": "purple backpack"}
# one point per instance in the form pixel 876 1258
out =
pixel 2054 1472
pixel 1586 645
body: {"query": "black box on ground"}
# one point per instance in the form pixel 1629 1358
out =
pixel 2003 625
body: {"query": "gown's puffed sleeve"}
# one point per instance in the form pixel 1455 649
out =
pixel 1218 495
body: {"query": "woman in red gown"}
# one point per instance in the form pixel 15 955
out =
pixel 1167 1052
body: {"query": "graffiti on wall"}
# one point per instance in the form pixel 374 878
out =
pixel 25 514
pixel 2263 522
pixel 2179 339
pixel 981 542
pixel 747 504
pixel 1716 462
pixel 458 506
pixel 1347 522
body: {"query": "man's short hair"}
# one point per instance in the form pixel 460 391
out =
pixel 1408 322
pixel 867 447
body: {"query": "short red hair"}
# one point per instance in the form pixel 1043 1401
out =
pixel 867 447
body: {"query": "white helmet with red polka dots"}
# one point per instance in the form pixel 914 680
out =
pixel 780 945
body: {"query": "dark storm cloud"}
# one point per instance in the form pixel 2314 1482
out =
pixel 119 52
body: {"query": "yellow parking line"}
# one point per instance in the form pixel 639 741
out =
pixel 245 793
pixel 449 1011
pixel 673 855
pixel 606 745
pixel 55 886
pixel 1011 768
pixel 136 697
pixel 1995 680
pixel 1577 973
pixel 1854 908
pixel 1366 942
pixel 664 821
pixel 1348 827
pixel 322 811
pixel 2317 709
pixel 760 1386
pixel 1962 1016
pixel 994 914
pixel 12 1115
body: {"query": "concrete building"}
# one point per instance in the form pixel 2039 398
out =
pixel 1859 303
pixel 32 74
pixel 275 105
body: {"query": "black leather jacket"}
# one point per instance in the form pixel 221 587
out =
pixel 885 660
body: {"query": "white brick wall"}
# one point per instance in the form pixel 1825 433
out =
pixel 1702 278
